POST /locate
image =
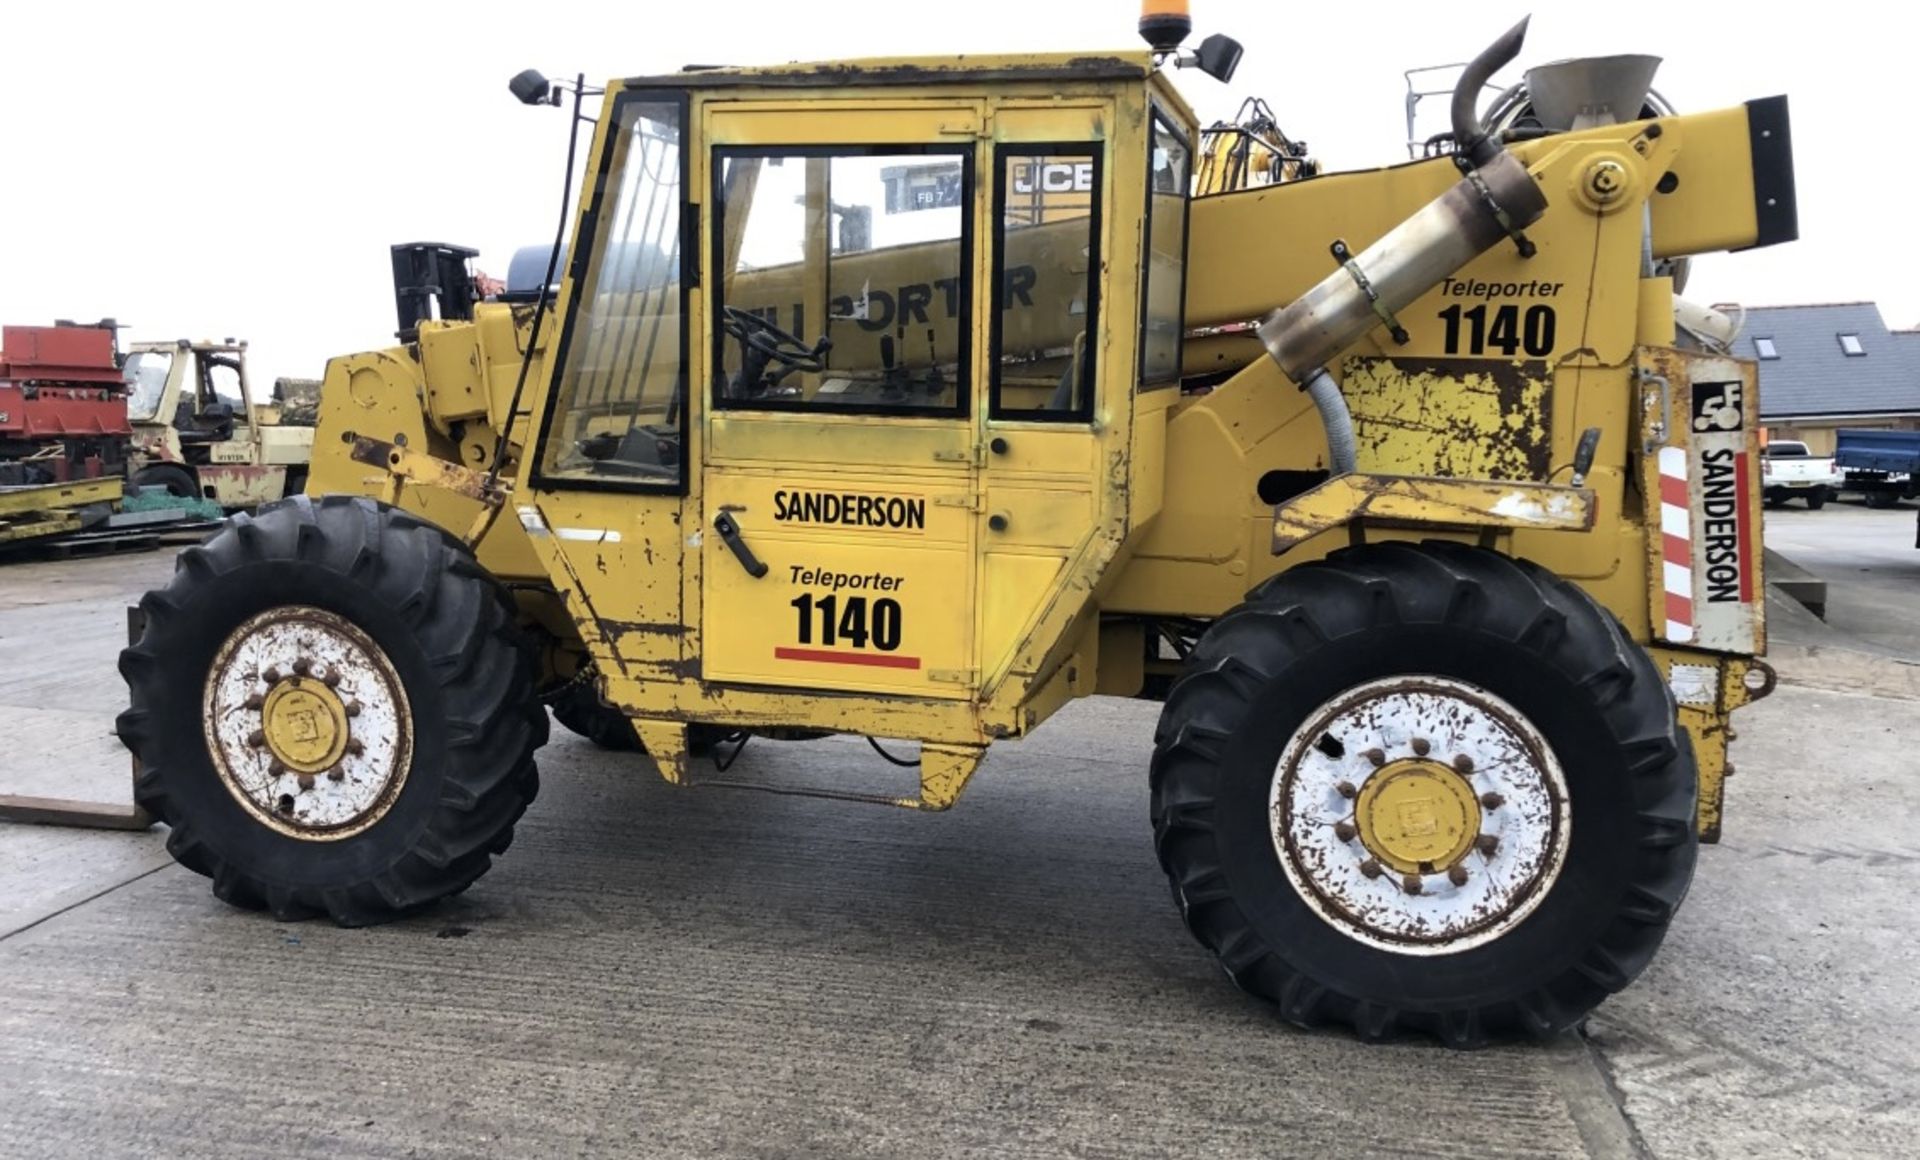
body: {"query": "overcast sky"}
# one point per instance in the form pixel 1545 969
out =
pixel 240 169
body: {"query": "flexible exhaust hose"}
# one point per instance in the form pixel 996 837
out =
pixel 1334 416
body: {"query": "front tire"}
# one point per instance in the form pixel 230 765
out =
pixel 333 711
pixel 1425 788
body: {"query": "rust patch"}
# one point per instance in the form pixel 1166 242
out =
pixel 651 628
pixel 1451 418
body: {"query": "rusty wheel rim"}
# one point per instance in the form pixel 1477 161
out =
pixel 308 723
pixel 1420 814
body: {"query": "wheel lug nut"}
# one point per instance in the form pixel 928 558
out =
pixel 1462 763
pixel 1421 746
pixel 1487 844
pixel 352 708
pixel 256 701
pixel 306 781
pixel 303 666
pixel 332 679
pixel 276 767
pixel 257 738
pixel 271 676
pixel 1344 831
pixel 355 747
pixel 336 774
pixel 1371 868
pixel 1346 790
pixel 1410 884
pixel 1377 756
pixel 1491 800
pixel 1457 875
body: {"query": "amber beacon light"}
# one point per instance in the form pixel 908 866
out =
pixel 1164 24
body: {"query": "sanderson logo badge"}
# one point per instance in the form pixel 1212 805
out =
pixel 849 509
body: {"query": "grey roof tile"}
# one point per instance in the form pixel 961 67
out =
pixel 1814 376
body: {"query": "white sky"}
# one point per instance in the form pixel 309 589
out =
pixel 240 169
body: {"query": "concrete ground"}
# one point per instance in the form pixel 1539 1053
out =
pixel 656 971
pixel 1870 564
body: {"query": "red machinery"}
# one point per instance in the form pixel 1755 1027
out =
pixel 63 404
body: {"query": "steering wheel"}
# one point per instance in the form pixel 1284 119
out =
pixel 756 334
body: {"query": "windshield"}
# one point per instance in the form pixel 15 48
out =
pixel 146 380
pixel 616 411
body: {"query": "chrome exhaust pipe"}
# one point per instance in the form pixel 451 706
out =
pixel 1496 199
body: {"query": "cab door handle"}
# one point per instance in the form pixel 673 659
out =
pixel 730 533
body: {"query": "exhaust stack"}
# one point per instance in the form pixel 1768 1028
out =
pixel 1496 199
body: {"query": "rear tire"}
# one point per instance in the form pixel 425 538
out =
pixel 580 710
pixel 1882 499
pixel 367 643
pixel 1817 499
pixel 1236 747
pixel 177 480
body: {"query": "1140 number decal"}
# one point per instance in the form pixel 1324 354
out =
pixel 853 620
pixel 1503 328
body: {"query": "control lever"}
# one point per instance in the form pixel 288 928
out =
pixel 730 532
pixel 894 384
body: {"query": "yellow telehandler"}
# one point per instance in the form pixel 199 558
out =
pixel 915 398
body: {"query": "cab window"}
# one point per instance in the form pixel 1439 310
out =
pixel 1046 280
pixel 843 278
pixel 615 417
pixel 1163 294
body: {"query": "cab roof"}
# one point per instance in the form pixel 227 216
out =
pixel 912 70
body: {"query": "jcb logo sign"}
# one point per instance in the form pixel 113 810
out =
pixel 1053 177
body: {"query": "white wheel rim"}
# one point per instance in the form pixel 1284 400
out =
pixel 308 724
pixel 1423 731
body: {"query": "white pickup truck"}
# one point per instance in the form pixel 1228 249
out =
pixel 1788 469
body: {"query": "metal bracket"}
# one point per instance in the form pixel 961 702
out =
pixel 1661 426
pixel 1521 241
pixel 1344 256
pixel 404 465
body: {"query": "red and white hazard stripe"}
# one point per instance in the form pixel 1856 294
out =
pixel 1676 544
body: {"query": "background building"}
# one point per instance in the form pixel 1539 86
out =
pixel 1828 366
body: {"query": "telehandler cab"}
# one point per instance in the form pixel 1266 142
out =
pixel 916 398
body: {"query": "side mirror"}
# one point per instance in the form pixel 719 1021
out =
pixel 1218 56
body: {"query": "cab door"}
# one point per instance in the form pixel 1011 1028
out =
pixel 1048 395
pixel 841 480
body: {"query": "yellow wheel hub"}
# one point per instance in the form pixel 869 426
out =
pixel 1417 816
pixel 305 724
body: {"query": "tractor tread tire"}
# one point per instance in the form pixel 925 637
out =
pixel 1301 620
pixel 579 709
pixel 438 615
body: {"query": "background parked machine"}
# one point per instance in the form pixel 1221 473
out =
pixel 63 428
pixel 202 429
pixel 917 398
